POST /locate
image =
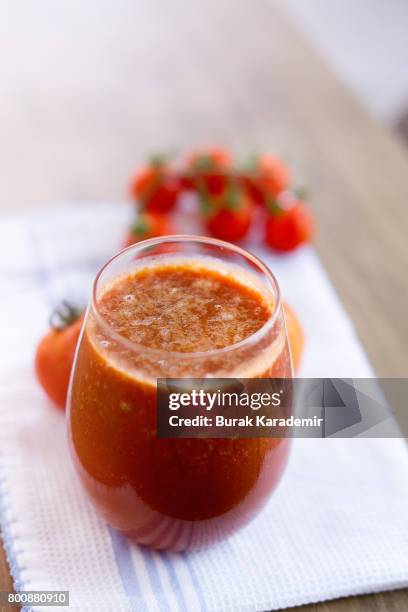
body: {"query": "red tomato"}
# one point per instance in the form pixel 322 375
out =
pixel 164 198
pixel 148 225
pixel 268 177
pixel 230 216
pixel 208 169
pixel 287 229
pixel 145 180
pixel 156 188
pixel 55 355
pixel 296 335
pixel 230 225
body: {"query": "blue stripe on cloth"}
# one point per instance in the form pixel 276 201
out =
pixel 155 579
pixel 9 541
pixel 174 582
pixel 121 550
pixel 195 581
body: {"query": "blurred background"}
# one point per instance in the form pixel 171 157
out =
pixel 87 89
pixel 366 45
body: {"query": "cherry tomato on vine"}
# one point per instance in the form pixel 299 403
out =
pixel 208 169
pixel 295 335
pixel 267 177
pixel 148 225
pixel 228 217
pixel 288 228
pixel 156 187
pixel 55 353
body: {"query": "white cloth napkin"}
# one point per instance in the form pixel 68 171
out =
pixel 336 526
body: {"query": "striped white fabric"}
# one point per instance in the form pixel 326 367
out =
pixel 336 526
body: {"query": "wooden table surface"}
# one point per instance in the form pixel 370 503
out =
pixel 87 93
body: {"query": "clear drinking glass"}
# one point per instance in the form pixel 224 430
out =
pixel 178 494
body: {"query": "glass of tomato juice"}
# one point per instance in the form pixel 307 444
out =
pixel 174 307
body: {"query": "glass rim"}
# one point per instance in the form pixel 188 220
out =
pixel 134 346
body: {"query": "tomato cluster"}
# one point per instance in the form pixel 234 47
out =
pixel 229 199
